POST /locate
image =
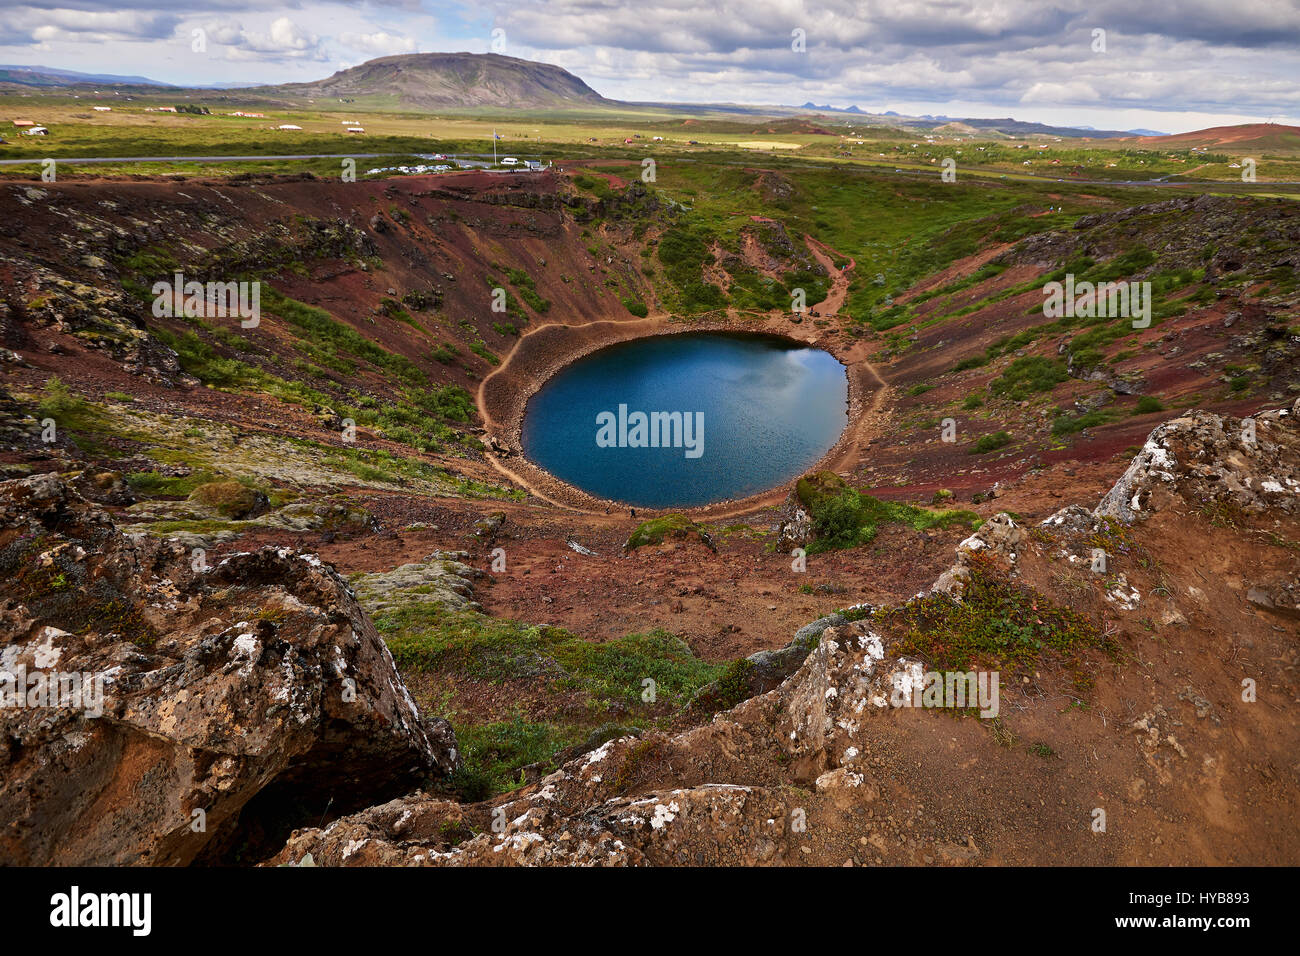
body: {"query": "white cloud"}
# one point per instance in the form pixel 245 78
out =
pixel 1006 57
pixel 285 39
pixel 1075 91
pixel 34 25
pixel 378 43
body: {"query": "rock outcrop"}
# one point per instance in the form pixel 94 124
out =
pixel 741 786
pixel 764 670
pixel 1250 464
pixel 582 814
pixel 202 706
pixel 443 578
pixel 1000 537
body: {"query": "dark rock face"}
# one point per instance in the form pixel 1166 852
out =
pixel 763 671
pixel 200 690
pixel 1262 235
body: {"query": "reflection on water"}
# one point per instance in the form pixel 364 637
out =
pixel 770 411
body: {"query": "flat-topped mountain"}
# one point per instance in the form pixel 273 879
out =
pixel 454 80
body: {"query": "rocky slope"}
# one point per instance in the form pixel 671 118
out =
pixel 532 627
pixel 225 694
pixel 813 768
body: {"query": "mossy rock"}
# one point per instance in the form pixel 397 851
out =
pixel 819 486
pixel 230 499
pixel 656 530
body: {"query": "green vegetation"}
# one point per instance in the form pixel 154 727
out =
pixel 527 290
pixel 843 517
pixel 673 525
pixel 153 484
pixel 990 442
pixel 415 416
pixel 230 499
pixel 599 680
pixel 74 417
pixel 482 351
pixel 445 353
pixel 1068 424
pixel 684 251
pixel 1147 405
pixel 1027 375
pixel 997 624
pixel 319 327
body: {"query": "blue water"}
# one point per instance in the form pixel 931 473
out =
pixel 770 411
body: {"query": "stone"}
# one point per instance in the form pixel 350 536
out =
pixel 256 681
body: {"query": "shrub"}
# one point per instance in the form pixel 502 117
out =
pixel 673 525
pixel 1028 374
pixel 991 442
pixel 843 517
pixel 1148 404
pixel 230 499
pixel 1070 424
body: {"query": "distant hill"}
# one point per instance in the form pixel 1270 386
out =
pixel 433 80
pixel 52 76
pixel 1253 136
pixel 966 126
pixel 1014 127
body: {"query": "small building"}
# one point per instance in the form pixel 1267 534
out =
pixel 21 123
pixel 102 109
pixel 533 164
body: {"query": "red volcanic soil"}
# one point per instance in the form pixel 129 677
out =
pixel 943 781
pixel 1261 134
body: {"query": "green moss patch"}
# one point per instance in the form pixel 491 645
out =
pixel 996 625
pixel 656 530
pixel 843 517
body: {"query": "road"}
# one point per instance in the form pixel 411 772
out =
pixel 1163 181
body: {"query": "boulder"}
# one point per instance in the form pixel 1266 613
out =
pixel 764 670
pixel 209 707
pixel 1250 464
pixel 442 578
pixel 999 537
pixel 795 532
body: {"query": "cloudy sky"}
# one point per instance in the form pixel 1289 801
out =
pixel 1171 65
